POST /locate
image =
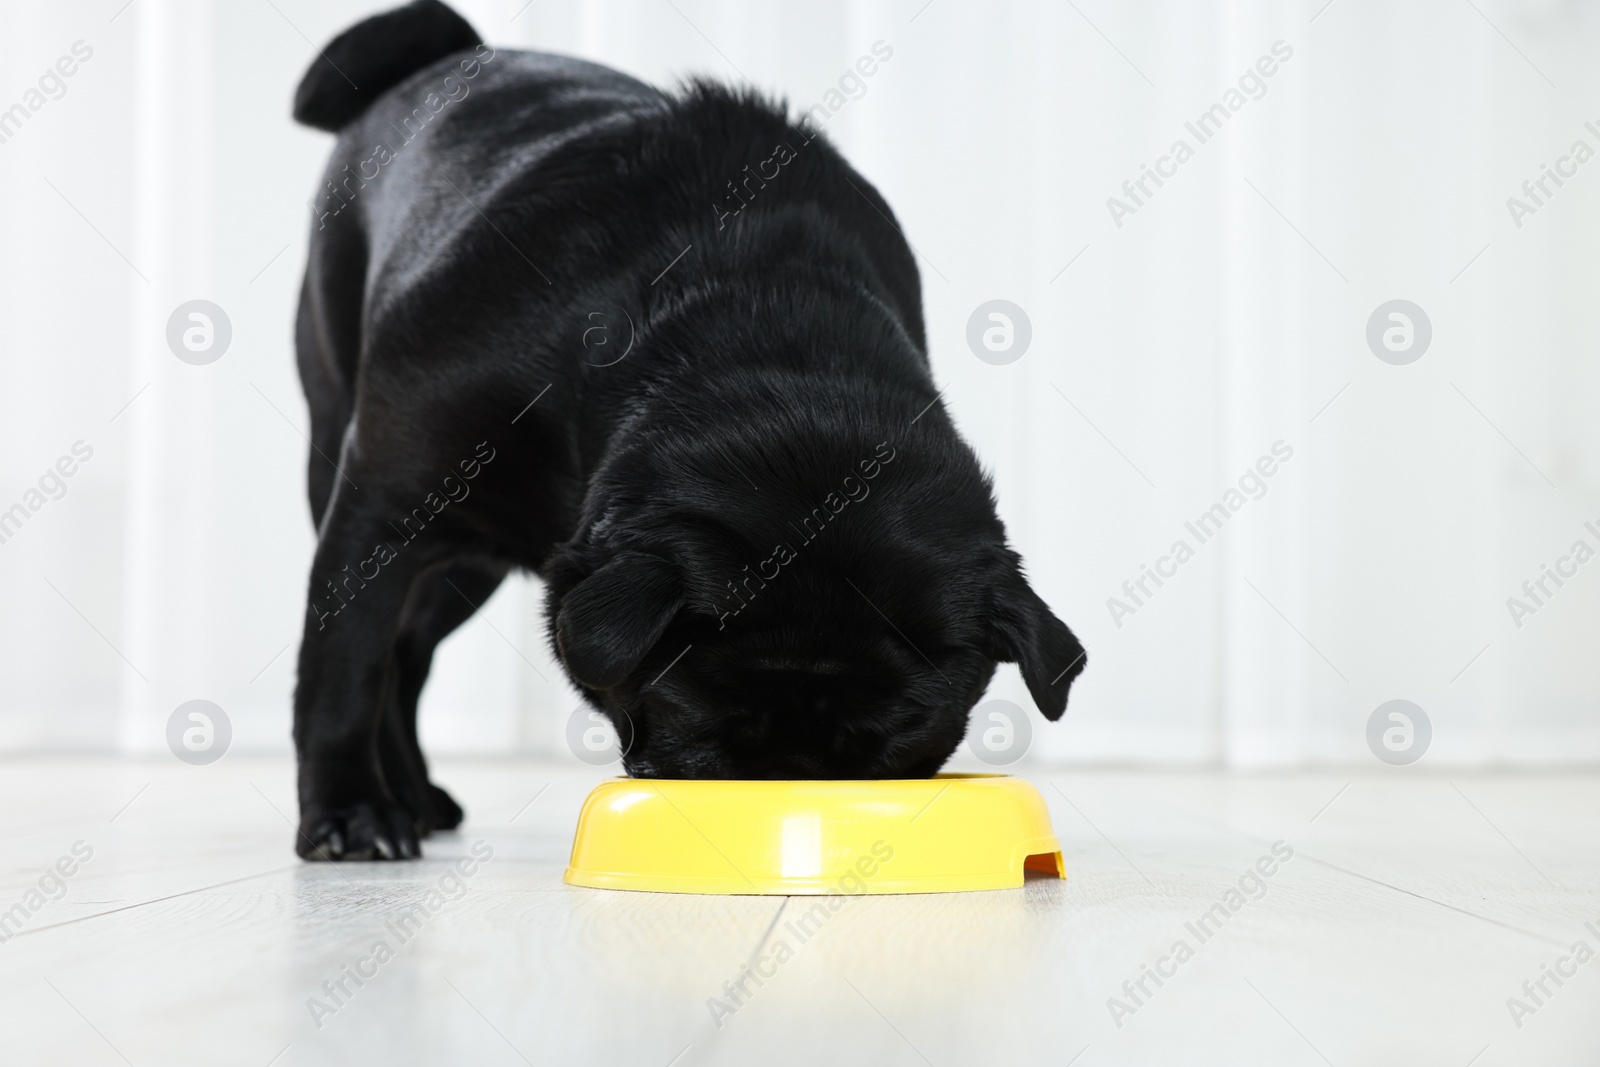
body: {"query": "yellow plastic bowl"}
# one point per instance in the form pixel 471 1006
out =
pixel 951 833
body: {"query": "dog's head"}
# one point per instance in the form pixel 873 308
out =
pixel 839 623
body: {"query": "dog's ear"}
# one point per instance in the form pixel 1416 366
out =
pixel 611 619
pixel 1023 631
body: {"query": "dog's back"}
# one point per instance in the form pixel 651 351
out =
pixel 532 192
pixel 590 165
pixel 425 145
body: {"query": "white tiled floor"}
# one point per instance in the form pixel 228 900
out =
pixel 1414 906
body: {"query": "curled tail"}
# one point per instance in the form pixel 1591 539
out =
pixel 357 66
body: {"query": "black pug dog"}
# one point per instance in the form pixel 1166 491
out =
pixel 665 349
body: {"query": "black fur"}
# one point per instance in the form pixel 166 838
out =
pixel 536 334
pixel 360 64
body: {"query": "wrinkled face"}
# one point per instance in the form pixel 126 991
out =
pixel 842 698
pixel 822 672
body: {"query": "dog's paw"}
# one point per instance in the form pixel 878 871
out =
pixel 447 814
pixel 381 830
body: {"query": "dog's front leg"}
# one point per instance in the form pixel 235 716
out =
pixel 360 576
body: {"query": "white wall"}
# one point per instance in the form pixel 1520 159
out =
pixel 1175 350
